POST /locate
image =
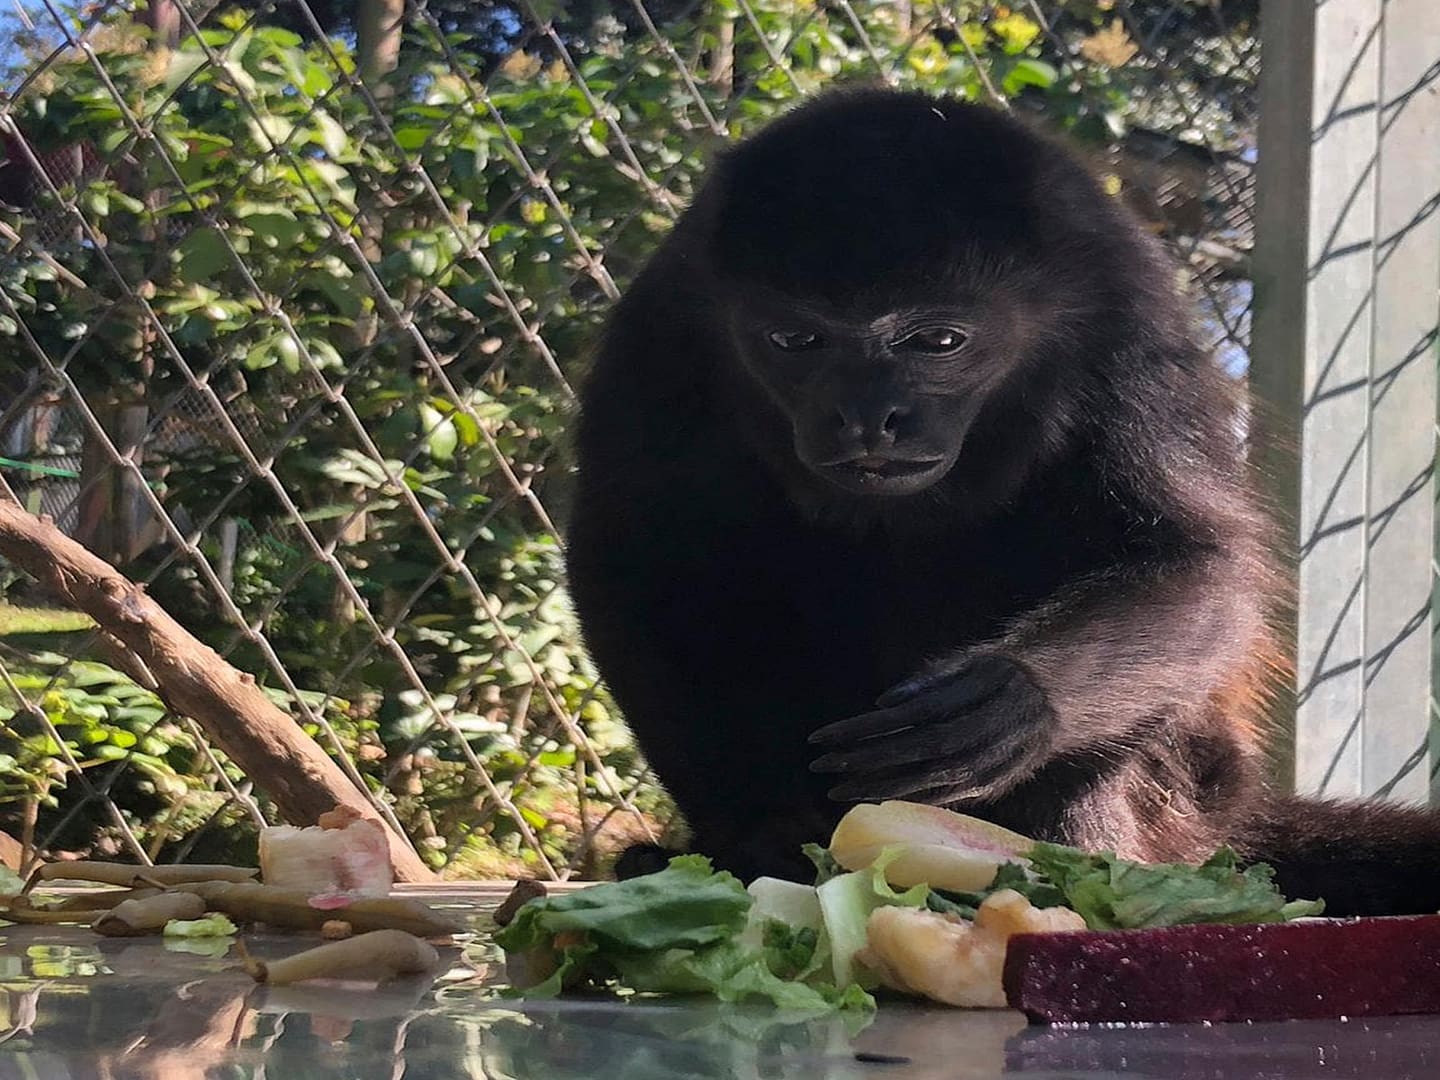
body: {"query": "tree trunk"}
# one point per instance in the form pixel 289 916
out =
pixel 114 517
pixel 163 18
pixel 378 28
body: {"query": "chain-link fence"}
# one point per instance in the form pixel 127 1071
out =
pixel 292 301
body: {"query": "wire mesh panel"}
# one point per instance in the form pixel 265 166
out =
pixel 1349 267
pixel 294 300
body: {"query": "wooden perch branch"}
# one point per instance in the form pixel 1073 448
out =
pixel 194 680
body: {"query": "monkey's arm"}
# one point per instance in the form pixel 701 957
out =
pixel 1088 671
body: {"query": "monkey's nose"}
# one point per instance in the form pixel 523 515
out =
pixel 873 427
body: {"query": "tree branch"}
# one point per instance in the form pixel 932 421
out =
pixel 194 680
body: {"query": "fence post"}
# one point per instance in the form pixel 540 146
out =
pixel 1347 267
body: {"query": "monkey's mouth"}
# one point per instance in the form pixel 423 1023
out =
pixel 886 475
pixel 888 467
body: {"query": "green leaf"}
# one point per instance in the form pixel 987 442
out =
pixel 276 231
pixel 825 865
pixel 1029 73
pixel 112 140
pixel 201 255
pixel 183 64
pixel 128 203
pixel 412 137
pixel 262 356
pixel 288 350
pixel 732 973
pixel 680 931
pixel 685 905
pixel 330 134
pixel 324 354
pixel 1015 31
pixel 847 901
pixel 1116 894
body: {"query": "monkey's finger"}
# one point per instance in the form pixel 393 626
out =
pixel 916 684
pixel 961 693
pixel 970 683
pixel 924 756
pixel 874 724
pixel 890 784
pixel 914 747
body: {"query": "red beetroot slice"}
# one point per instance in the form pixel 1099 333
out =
pixel 1317 969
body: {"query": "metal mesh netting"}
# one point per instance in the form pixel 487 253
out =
pixel 293 300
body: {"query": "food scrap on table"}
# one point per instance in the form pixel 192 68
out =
pixel 342 857
pixel 377 956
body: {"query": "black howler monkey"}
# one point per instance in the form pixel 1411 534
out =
pixel 903 474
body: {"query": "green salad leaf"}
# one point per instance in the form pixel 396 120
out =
pixel 684 930
pixel 732 973
pixel 685 905
pixel 825 865
pixel 1111 893
pixel 212 925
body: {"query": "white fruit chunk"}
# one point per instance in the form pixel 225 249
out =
pixel 939 848
pixel 344 858
pixel 950 959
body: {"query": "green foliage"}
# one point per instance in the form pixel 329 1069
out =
pixel 125 742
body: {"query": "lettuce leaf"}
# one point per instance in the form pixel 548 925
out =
pixel 847 901
pixel 1111 893
pixel 826 866
pixel 685 905
pixel 684 930
pixel 732 973
pixel 213 925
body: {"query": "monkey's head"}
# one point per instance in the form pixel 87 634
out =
pixel 907 278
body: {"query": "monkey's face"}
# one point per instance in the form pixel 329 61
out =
pixel 877 404
pixel 922 289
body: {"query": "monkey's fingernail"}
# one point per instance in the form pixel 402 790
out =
pixel 896 694
pixel 845 793
pixel 829 763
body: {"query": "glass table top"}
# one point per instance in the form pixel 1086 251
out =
pixel 74 1006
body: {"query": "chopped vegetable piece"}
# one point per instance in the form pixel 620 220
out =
pixel 378 955
pixel 250 902
pixel 681 930
pixel 1115 894
pixel 149 916
pixel 125 874
pixel 344 857
pixel 208 927
pixel 525 890
pixel 847 902
pixel 950 959
pixel 46 917
pixel 936 847
pixel 1277 971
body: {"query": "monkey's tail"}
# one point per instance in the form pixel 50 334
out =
pixel 1362 858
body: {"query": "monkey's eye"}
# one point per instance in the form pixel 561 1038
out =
pixel 934 340
pixel 795 340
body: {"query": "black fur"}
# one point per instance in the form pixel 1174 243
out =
pixel 1064 620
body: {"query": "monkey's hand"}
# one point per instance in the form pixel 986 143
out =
pixel 970 729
